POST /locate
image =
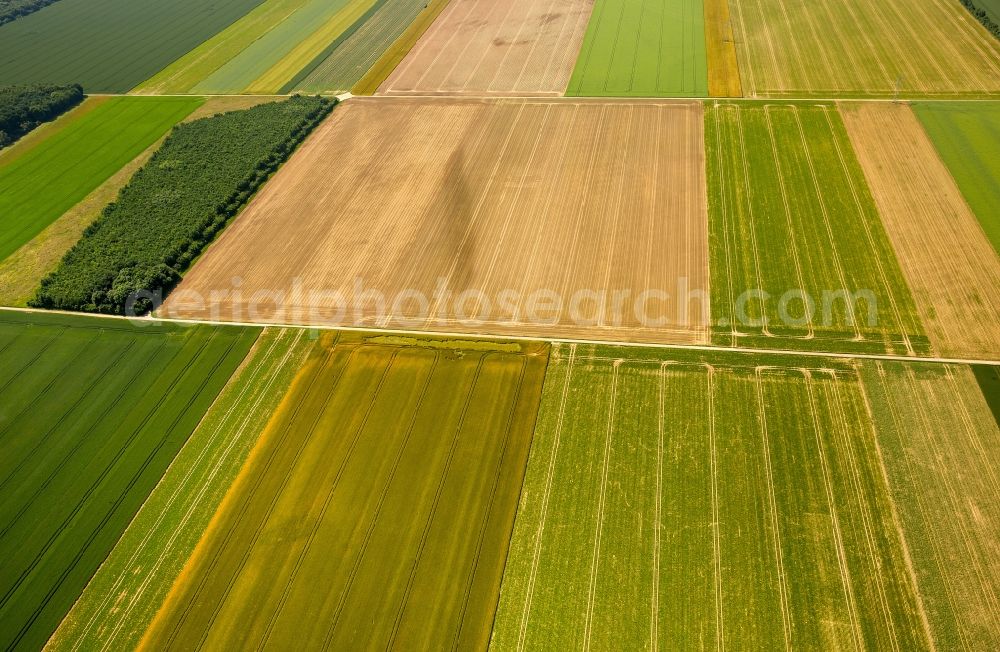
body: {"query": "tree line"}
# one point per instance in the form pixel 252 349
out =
pixel 22 108
pixel 982 17
pixel 13 9
pixel 175 205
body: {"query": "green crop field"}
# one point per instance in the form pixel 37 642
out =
pixel 124 595
pixel 352 55
pixel 698 501
pixel 44 182
pixel 108 45
pixel 183 75
pixel 967 137
pixel 634 48
pixel 267 51
pixel 389 477
pixel 93 412
pixel 791 216
pixel 938 439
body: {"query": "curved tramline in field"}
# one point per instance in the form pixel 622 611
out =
pixel 703 500
pixel 576 219
pixel 378 503
pixel 800 259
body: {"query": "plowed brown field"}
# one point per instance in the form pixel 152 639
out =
pixel 531 215
pixel 503 47
pixel 950 265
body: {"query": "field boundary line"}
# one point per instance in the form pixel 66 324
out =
pixel 889 357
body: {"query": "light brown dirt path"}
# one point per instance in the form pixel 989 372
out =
pixel 952 270
pixel 535 215
pixel 495 47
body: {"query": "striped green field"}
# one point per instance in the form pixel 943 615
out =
pixel 798 253
pixel 938 439
pixel 967 137
pixel 93 412
pixel 676 500
pixel 122 598
pixel 276 54
pixel 184 74
pixel 45 181
pixel 109 46
pixel 387 479
pixel 634 48
pixel 347 60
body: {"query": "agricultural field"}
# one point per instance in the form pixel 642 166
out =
pixel 866 48
pixel 951 267
pixel 108 46
pixel 643 49
pixel 23 271
pixel 573 219
pixel 720 50
pixel 121 600
pixel 24 108
pixel 40 183
pixel 353 54
pixel 185 73
pixel 397 51
pixel 389 476
pixel 800 258
pixel 938 439
pixel 495 47
pixel 147 238
pixel 93 412
pixel 698 500
pixel 967 138
pixel 276 56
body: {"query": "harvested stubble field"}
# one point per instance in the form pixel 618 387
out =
pixel 643 49
pixel 790 213
pixel 938 440
pixel 495 47
pixel 109 45
pixel 42 181
pixel 679 501
pixel 388 479
pixel 952 269
pixel 93 412
pixel 858 48
pixel 489 195
pixel 967 138
pixel 124 595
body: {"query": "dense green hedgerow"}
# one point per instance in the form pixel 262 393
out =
pixel 14 9
pixel 173 207
pixel 22 108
